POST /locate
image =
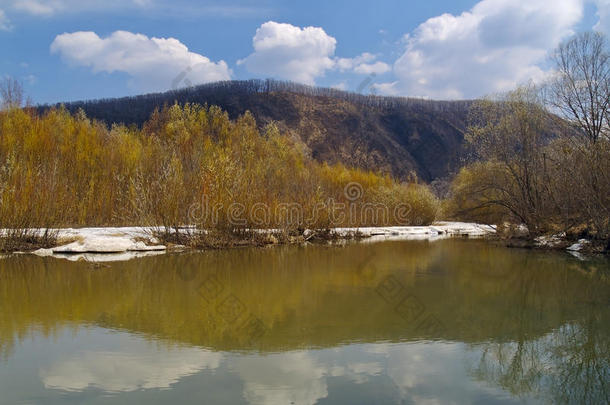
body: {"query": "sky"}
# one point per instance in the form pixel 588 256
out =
pixel 65 50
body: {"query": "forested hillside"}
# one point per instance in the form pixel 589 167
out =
pixel 395 135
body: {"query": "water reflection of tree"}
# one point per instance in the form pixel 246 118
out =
pixel 516 365
pixel 581 363
pixel 571 364
pixel 313 297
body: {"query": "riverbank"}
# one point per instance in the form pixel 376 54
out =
pixel 108 244
pixel 119 244
pixel 578 244
pixel 576 247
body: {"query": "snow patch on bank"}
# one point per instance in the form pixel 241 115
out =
pixel 550 241
pixel 436 231
pixel 104 244
pixel 577 247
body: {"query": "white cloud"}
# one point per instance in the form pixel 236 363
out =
pixel 344 64
pixel 340 86
pixel 369 68
pixel 155 64
pixel 603 13
pixel 362 64
pixel 125 372
pixel 5 24
pixel 158 8
pixel 116 371
pixel 491 48
pixel 51 7
pixel 292 53
pixel 302 54
pixel 284 378
pixel 36 7
pixel 31 79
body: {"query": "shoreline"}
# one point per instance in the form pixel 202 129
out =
pixel 111 244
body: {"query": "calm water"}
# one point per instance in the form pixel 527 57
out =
pixel 395 322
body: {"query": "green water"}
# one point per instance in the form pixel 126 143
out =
pixel 395 322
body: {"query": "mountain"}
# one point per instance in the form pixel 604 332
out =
pixel 390 134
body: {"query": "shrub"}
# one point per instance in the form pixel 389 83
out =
pixel 59 169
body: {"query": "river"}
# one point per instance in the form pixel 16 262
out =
pixel 450 321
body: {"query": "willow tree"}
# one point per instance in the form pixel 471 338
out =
pixel 507 136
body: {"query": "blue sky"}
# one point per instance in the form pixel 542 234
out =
pixel 81 49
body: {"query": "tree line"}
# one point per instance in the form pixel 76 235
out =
pixel 62 169
pixel 137 109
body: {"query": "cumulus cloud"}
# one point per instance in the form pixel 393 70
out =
pixel 491 48
pixel 302 54
pixel 292 53
pixel 154 64
pixel 5 24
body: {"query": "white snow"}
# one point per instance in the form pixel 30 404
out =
pixel 438 230
pixel 550 241
pixel 108 257
pixel 577 247
pixel 104 244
